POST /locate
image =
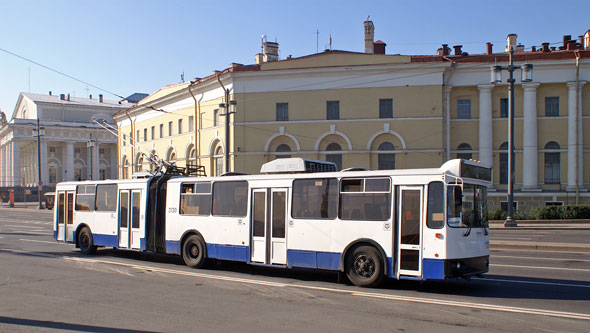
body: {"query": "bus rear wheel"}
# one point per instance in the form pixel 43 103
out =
pixel 364 266
pixel 193 252
pixel 85 241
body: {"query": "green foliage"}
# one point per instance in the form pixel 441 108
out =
pixel 570 212
pixel 497 214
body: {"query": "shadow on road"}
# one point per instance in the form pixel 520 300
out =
pixel 62 325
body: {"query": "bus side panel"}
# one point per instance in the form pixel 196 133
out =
pixel 307 238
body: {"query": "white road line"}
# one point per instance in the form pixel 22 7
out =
pixel 539 258
pixel 481 306
pixel 541 267
pixel 536 251
pixel 46 242
pixel 23 226
pixel 513 238
pixel 534 282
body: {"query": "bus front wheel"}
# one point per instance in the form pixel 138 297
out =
pixel 85 241
pixel 364 266
pixel 193 252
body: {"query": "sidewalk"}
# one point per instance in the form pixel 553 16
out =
pixel 25 206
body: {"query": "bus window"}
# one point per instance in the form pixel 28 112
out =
pixel 106 197
pixel 435 218
pixel 454 204
pixel 195 199
pixel 230 198
pixel 365 199
pixel 315 198
pixel 85 197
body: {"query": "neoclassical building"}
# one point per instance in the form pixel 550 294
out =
pixel 72 147
pixel 379 111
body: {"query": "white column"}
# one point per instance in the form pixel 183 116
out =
pixel 574 137
pixel 43 166
pixel 530 151
pixel 2 165
pixel 485 123
pixel 95 161
pixel 114 162
pixel 580 138
pixel 15 165
pixel 448 124
pixel 10 175
pixel 68 162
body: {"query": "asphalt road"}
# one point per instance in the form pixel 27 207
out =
pixel 45 286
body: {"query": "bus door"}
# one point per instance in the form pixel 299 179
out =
pixel 410 231
pixel 65 216
pixel 268 225
pixel 129 210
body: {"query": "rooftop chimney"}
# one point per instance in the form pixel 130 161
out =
pixel 369 36
pixel 446 50
pixel 68 97
pixel 489 48
pixel 511 41
pixel 270 51
pixel 586 43
pixel 100 98
pixel 90 96
pixel 379 47
pixel 545 47
pixel 566 39
pixel 62 97
pixel 49 92
pixel 457 49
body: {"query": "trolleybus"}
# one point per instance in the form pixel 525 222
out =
pixel 423 224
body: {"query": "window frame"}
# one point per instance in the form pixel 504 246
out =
pixel 332 110
pixel 282 111
pixel 86 193
pixel 552 106
pixel 336 185
pixel 383 112
pixel 225 198
pixel 461 108
pixel 113 194
pixel 196 193
pixel 363 190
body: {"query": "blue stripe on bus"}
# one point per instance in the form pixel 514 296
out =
pixel 228 252
pixel 433 269
pixel 390 266
pixel 142 245
pixel 55 234
pixel 105 240
pixel 312 259
pixel 173 247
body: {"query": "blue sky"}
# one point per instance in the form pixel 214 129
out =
pixel 140 46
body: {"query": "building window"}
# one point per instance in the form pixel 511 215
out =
pixel 465 156
pixel 503 107
pixel 335 157
pixel 124 140
pixel 170 128
pixel 504 163
pixel 218 158
pixel 216 117
pixel 283 148
pixel 179 126
pixel 161 131
pixel 137 137
pixel 52 149
pixel 552 163
pixel 282 111
pixel 553 203
pixel 386 108
pixel 145 137
pixel 504 206
pixel 191 123
pixel 463 109
pixel 153 132
pixel 551 106
pixel 332 110
pixel 386 161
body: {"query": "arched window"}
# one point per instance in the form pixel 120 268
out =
pixel 192 156
pixel 124 168
pixel 334 158
pixel 283 148
pixel 504 163
pixel 552 163
pixel 139 164
pixel 171 156
pixel 218 158
pixel 465 156
pixel 386 161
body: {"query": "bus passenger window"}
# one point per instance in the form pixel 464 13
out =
pixel 435 218
pixel 315 198
pixel 230 198
pixel 365 199
pixel 195 199
pixel 106 197
pixel 85 197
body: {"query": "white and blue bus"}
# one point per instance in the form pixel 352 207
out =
pixel 423 224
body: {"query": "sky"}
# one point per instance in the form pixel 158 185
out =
pixel 119 47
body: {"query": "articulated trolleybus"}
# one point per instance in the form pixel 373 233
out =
pixel 423 224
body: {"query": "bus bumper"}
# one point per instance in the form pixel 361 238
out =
pixel 437 269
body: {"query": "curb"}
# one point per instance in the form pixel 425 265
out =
pixel 540 246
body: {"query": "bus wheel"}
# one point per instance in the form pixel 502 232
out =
pixel 85 241
pixel 364 266
pixel 193 252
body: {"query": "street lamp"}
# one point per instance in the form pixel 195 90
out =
pixel 230 107
pixel 90 144
pixel 39 132
pixel 496 77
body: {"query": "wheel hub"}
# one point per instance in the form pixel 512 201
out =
pixel 364 266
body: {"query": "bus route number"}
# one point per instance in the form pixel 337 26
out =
pixel 172 210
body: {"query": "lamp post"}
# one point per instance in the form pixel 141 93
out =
pixel 527 76
pixel 226 106
pixel 90 144
pixel 39 132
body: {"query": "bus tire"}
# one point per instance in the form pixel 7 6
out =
pixel 364 266
pixel 193 252
pixel 85 241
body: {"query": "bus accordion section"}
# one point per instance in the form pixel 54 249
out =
pixel 420 224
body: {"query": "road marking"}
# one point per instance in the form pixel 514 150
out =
pixel 46 242
pixel 541 267
pixel 23 226
pixel 534 282
pixel 480 306
pixel 513 238
pixel 536 251
pixel 539 258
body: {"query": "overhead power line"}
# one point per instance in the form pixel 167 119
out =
pixel 61 73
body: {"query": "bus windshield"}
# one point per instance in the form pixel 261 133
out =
pixel 467 208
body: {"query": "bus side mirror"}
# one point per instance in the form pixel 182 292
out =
pixel 458 196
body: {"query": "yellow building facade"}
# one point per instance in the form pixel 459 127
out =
pixel 377 111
